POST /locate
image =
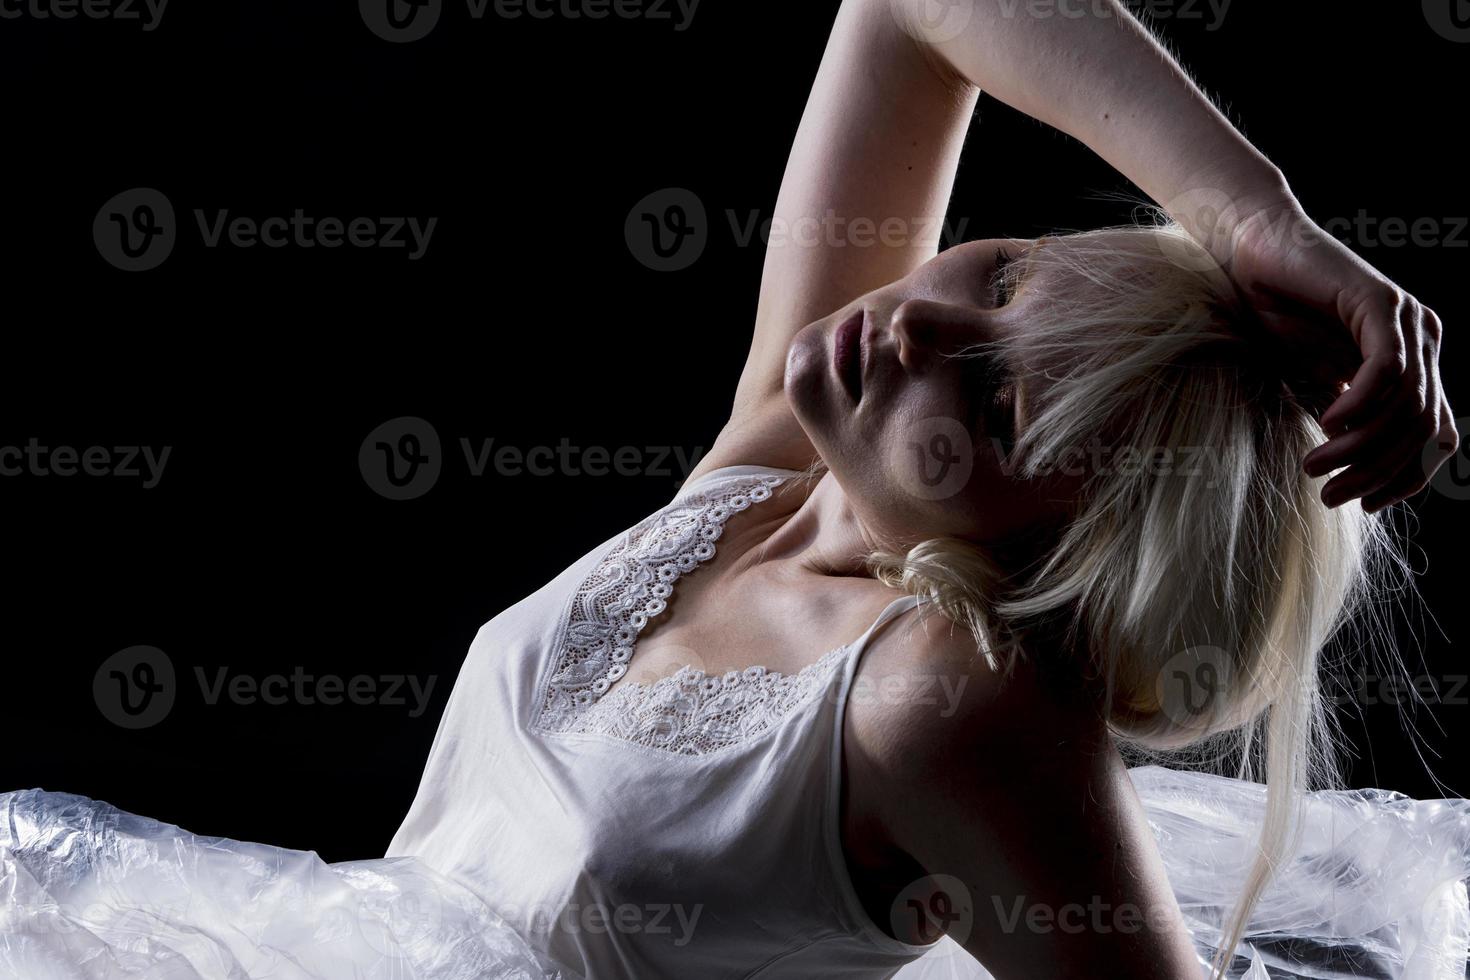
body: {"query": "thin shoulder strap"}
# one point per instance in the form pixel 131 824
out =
pixel 900 605
pixel 832 804
pixel 895 608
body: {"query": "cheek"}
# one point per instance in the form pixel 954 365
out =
pixel 931 470
pixel 941 478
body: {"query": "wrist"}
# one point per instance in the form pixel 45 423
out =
pixel 1218 205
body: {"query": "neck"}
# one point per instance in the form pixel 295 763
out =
pixel 817 531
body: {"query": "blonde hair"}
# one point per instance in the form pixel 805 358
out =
pixel 1202 591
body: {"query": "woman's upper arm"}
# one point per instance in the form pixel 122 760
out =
pixel 1004 796
pixel 863 198
pixel 862 201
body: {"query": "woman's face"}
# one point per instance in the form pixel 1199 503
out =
pixel 917 439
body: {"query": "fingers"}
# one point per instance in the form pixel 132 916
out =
pixel 1446 440
pixel 1408 435
pixel 1392 441
pixel 1381 338
pixel 1414 477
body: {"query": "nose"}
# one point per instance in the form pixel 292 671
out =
pixel 926 331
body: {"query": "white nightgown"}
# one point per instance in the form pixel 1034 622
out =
pixel 568 826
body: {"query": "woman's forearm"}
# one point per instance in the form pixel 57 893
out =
pixel 1090 69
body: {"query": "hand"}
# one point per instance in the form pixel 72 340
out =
pixel 1349 323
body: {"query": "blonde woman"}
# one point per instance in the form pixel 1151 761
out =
pixel 981 523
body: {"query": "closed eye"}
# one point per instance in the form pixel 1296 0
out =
pixel 1002 289
pixel 992 388
pixel 1000 414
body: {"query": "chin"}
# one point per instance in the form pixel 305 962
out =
pixel 806 381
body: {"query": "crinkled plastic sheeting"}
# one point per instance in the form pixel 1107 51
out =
pixel 89 891
pixel 1374 889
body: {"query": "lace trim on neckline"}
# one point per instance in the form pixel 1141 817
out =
pixel 688 712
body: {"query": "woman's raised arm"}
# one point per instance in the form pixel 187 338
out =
pixel 870 173
pixel 1091 70
pixel 861 204
pixel 864 193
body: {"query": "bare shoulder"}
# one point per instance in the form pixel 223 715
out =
pixel 1009 792
pixel 926 691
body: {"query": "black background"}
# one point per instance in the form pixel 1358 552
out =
pixel 529 320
